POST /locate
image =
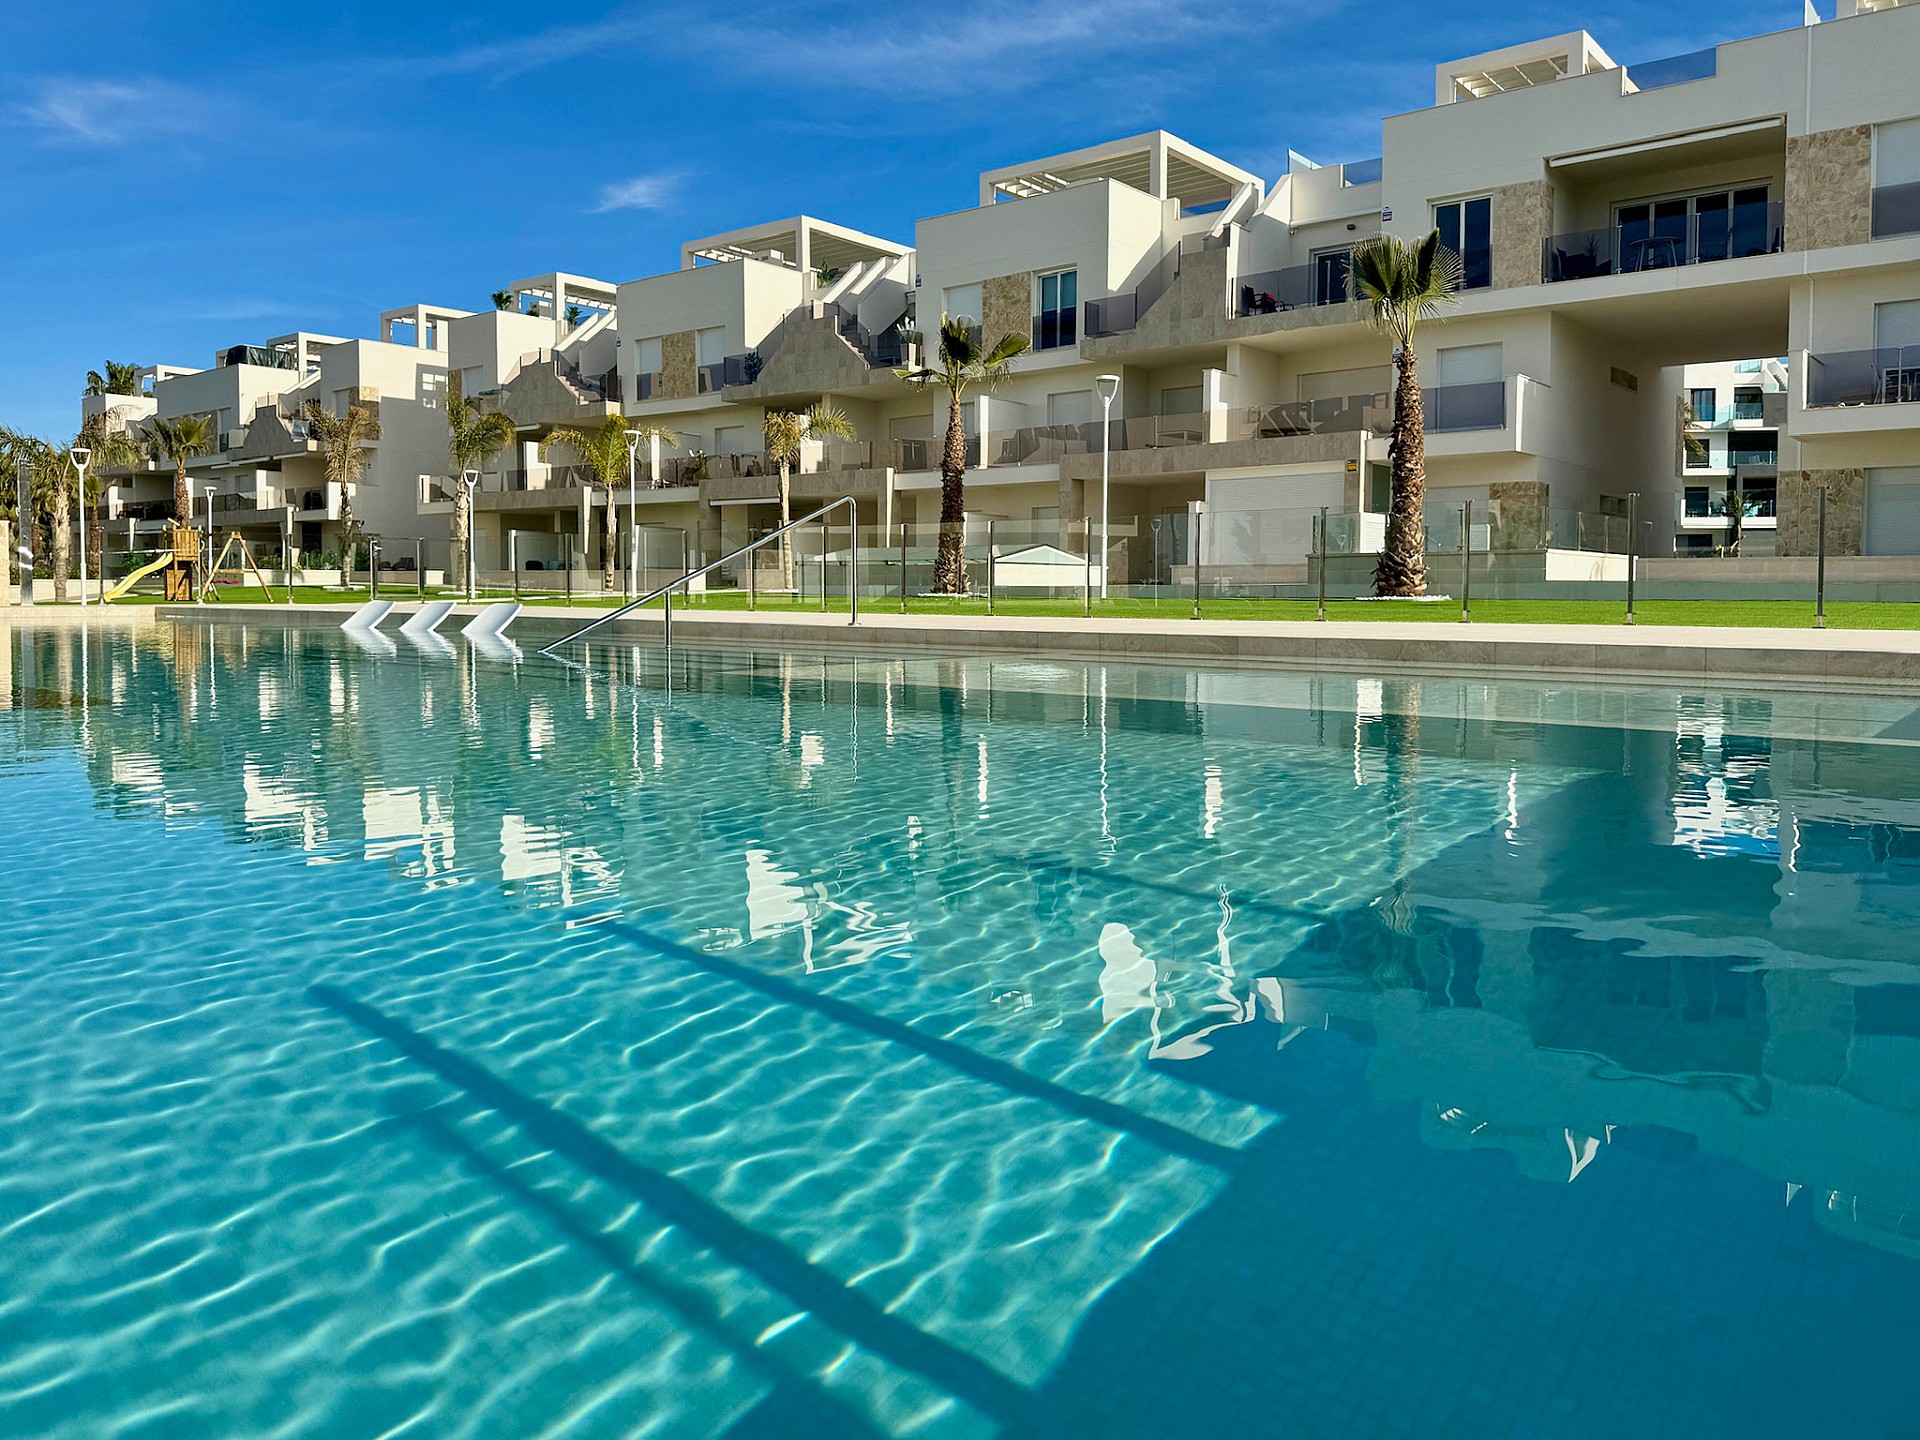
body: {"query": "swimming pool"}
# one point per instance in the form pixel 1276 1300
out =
pixel 435 1044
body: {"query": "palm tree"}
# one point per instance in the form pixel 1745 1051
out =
pixel 1692 447
pixel 1401 285
pixel 47 490
pixel 603 450
pixel 121 379
pixel 574 316
pixel 113 445
pixel 965 364
pixel 503 299
pixel 785 429
pixel 474 436
pixel 343 441
pixel 179 440
pixel 50 469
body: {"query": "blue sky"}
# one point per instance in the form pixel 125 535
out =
pixel 179 177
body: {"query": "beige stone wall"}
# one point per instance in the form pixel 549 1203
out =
pixel 1519 511
pixel 1522 221
pixel 1830 188
pixel 1193 309
pixel 811 360
pixel 678 380
pixel 1798 531
pixel 1007 303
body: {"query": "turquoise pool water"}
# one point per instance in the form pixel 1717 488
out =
pixel 439 1044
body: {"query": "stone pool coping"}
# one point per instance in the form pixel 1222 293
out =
pixel 1859 660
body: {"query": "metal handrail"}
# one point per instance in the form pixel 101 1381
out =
pixel 665 592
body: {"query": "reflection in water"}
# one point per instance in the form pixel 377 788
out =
pixel 1023 997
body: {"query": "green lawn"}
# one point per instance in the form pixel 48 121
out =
pixel 1786 614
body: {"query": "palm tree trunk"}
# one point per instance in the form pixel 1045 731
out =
pixel 346 537
pixel 950 564
pixel 96 545
pixel 62 543
pixel 462 523
pixel 609 540
pixel 786 516
pixel 182 496
pixel 1403 563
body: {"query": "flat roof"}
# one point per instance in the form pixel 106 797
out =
pixel 582 288
pixel 1520 67
pixel 1156 163
pixel 801 239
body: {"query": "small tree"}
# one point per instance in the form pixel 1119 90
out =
pixel 574 316
pixel 474 436
pixel 343 441
pixel 785 431
pixel 51 483
pixel 503 299
pixel 179 440
pixel 964 364
pixel 603 450
pixel 121 379
pixel 1401 285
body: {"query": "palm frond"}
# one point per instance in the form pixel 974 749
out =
pixel 1403 284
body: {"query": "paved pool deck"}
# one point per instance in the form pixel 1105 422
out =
pixel 1862 660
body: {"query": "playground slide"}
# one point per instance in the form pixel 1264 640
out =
pixel 126 585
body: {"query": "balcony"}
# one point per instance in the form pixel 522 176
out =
pixel 1687 240
pixel 263 355
pixel 1295 287
pixel 1864 377
pixel 1896 210
pixel 1479 406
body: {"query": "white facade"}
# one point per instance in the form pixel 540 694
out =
pixel 1618 226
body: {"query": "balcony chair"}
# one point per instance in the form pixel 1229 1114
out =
pixel 1262 302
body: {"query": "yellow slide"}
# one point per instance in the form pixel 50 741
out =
pixel 127 584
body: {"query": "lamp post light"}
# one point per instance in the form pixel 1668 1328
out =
pixel 1109 386
pixel 80 456
pixel 208 491
pixel 471 479
pixel 633 518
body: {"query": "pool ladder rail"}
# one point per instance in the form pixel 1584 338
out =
pixel 665 592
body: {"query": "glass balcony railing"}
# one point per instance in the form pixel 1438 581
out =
pixel 1896 210
pixel 1749 410
pixel 1481 406
pixel 1864 377
pixel 1294 287
pixel 1623 250
pixel 1753 458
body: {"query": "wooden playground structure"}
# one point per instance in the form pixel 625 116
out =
pixel 185 574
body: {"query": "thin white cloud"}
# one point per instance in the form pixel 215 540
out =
pixel 642 192
pixel 994 45
pixel 518 54
pixel 114 112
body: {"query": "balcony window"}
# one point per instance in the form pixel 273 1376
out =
pixel 1896 179
pixel 1330 275
pixel 1701 458
pixel 1466 228
pixel 1748 404
pixel 1661 234
pixel 1754 447
pixel 1054 327
pixel 1703 402
pixel 1698 501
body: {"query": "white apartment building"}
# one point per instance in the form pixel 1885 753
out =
pixel 1731 456
pixel 1618 225
pixel 264 476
